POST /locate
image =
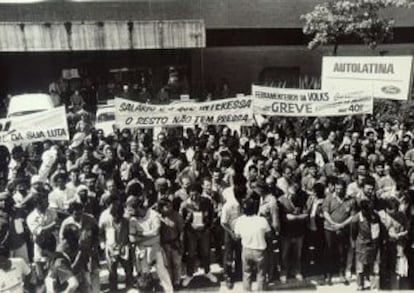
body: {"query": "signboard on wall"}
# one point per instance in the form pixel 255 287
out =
pixel 383 77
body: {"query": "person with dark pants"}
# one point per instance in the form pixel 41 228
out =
pixel 269 209
pixel 172 226
pixel 338 211
pixel 314 242
pixel 365 230
pixel 232 246
pixel 198 214
pixel 294 216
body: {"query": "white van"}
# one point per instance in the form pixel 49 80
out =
pixel 30 103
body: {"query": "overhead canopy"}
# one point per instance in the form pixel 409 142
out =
pixel 107 35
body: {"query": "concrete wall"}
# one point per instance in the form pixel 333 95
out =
pixel 241 66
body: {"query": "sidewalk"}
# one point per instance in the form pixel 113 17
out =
pixel 201 284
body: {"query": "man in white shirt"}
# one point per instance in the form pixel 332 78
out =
pixel 58 198
pixel 230 212
pixel 41 220
pixel 73 184
pixel 114 232
pixel 144 231
pixel 285 182
pixel 252 230
pixel 13 272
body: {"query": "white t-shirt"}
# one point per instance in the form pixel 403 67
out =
pixel 58 199
pixel 252 230
pixel 12 281
pixel 231 208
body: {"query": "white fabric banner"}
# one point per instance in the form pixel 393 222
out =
pixel 130 114
pixel 45 125
pixel 308 103
pixel 383 77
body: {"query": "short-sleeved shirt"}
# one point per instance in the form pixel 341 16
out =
pixel 12 280
pixel 353 190
pixel 252 230
pixel 35 220
pixel 338 209
pixel 115 233
pixel 60 271
pixel 58 199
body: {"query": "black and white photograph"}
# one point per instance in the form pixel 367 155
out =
pixel 206 146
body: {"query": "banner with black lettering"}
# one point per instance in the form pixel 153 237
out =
pixel 41 126
pixel 130 114
pixel 308 103
pixel 383 77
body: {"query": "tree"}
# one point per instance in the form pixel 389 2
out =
pixel 333 22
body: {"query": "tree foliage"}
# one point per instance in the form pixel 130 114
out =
pixel 334 21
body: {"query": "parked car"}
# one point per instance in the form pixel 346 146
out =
pixel 30 103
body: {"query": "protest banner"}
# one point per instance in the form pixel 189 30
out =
pixel 130 114
pixel 308 103
pixel 40 126
pixel 383 77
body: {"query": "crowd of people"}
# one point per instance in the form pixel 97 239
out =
pixel 336 199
